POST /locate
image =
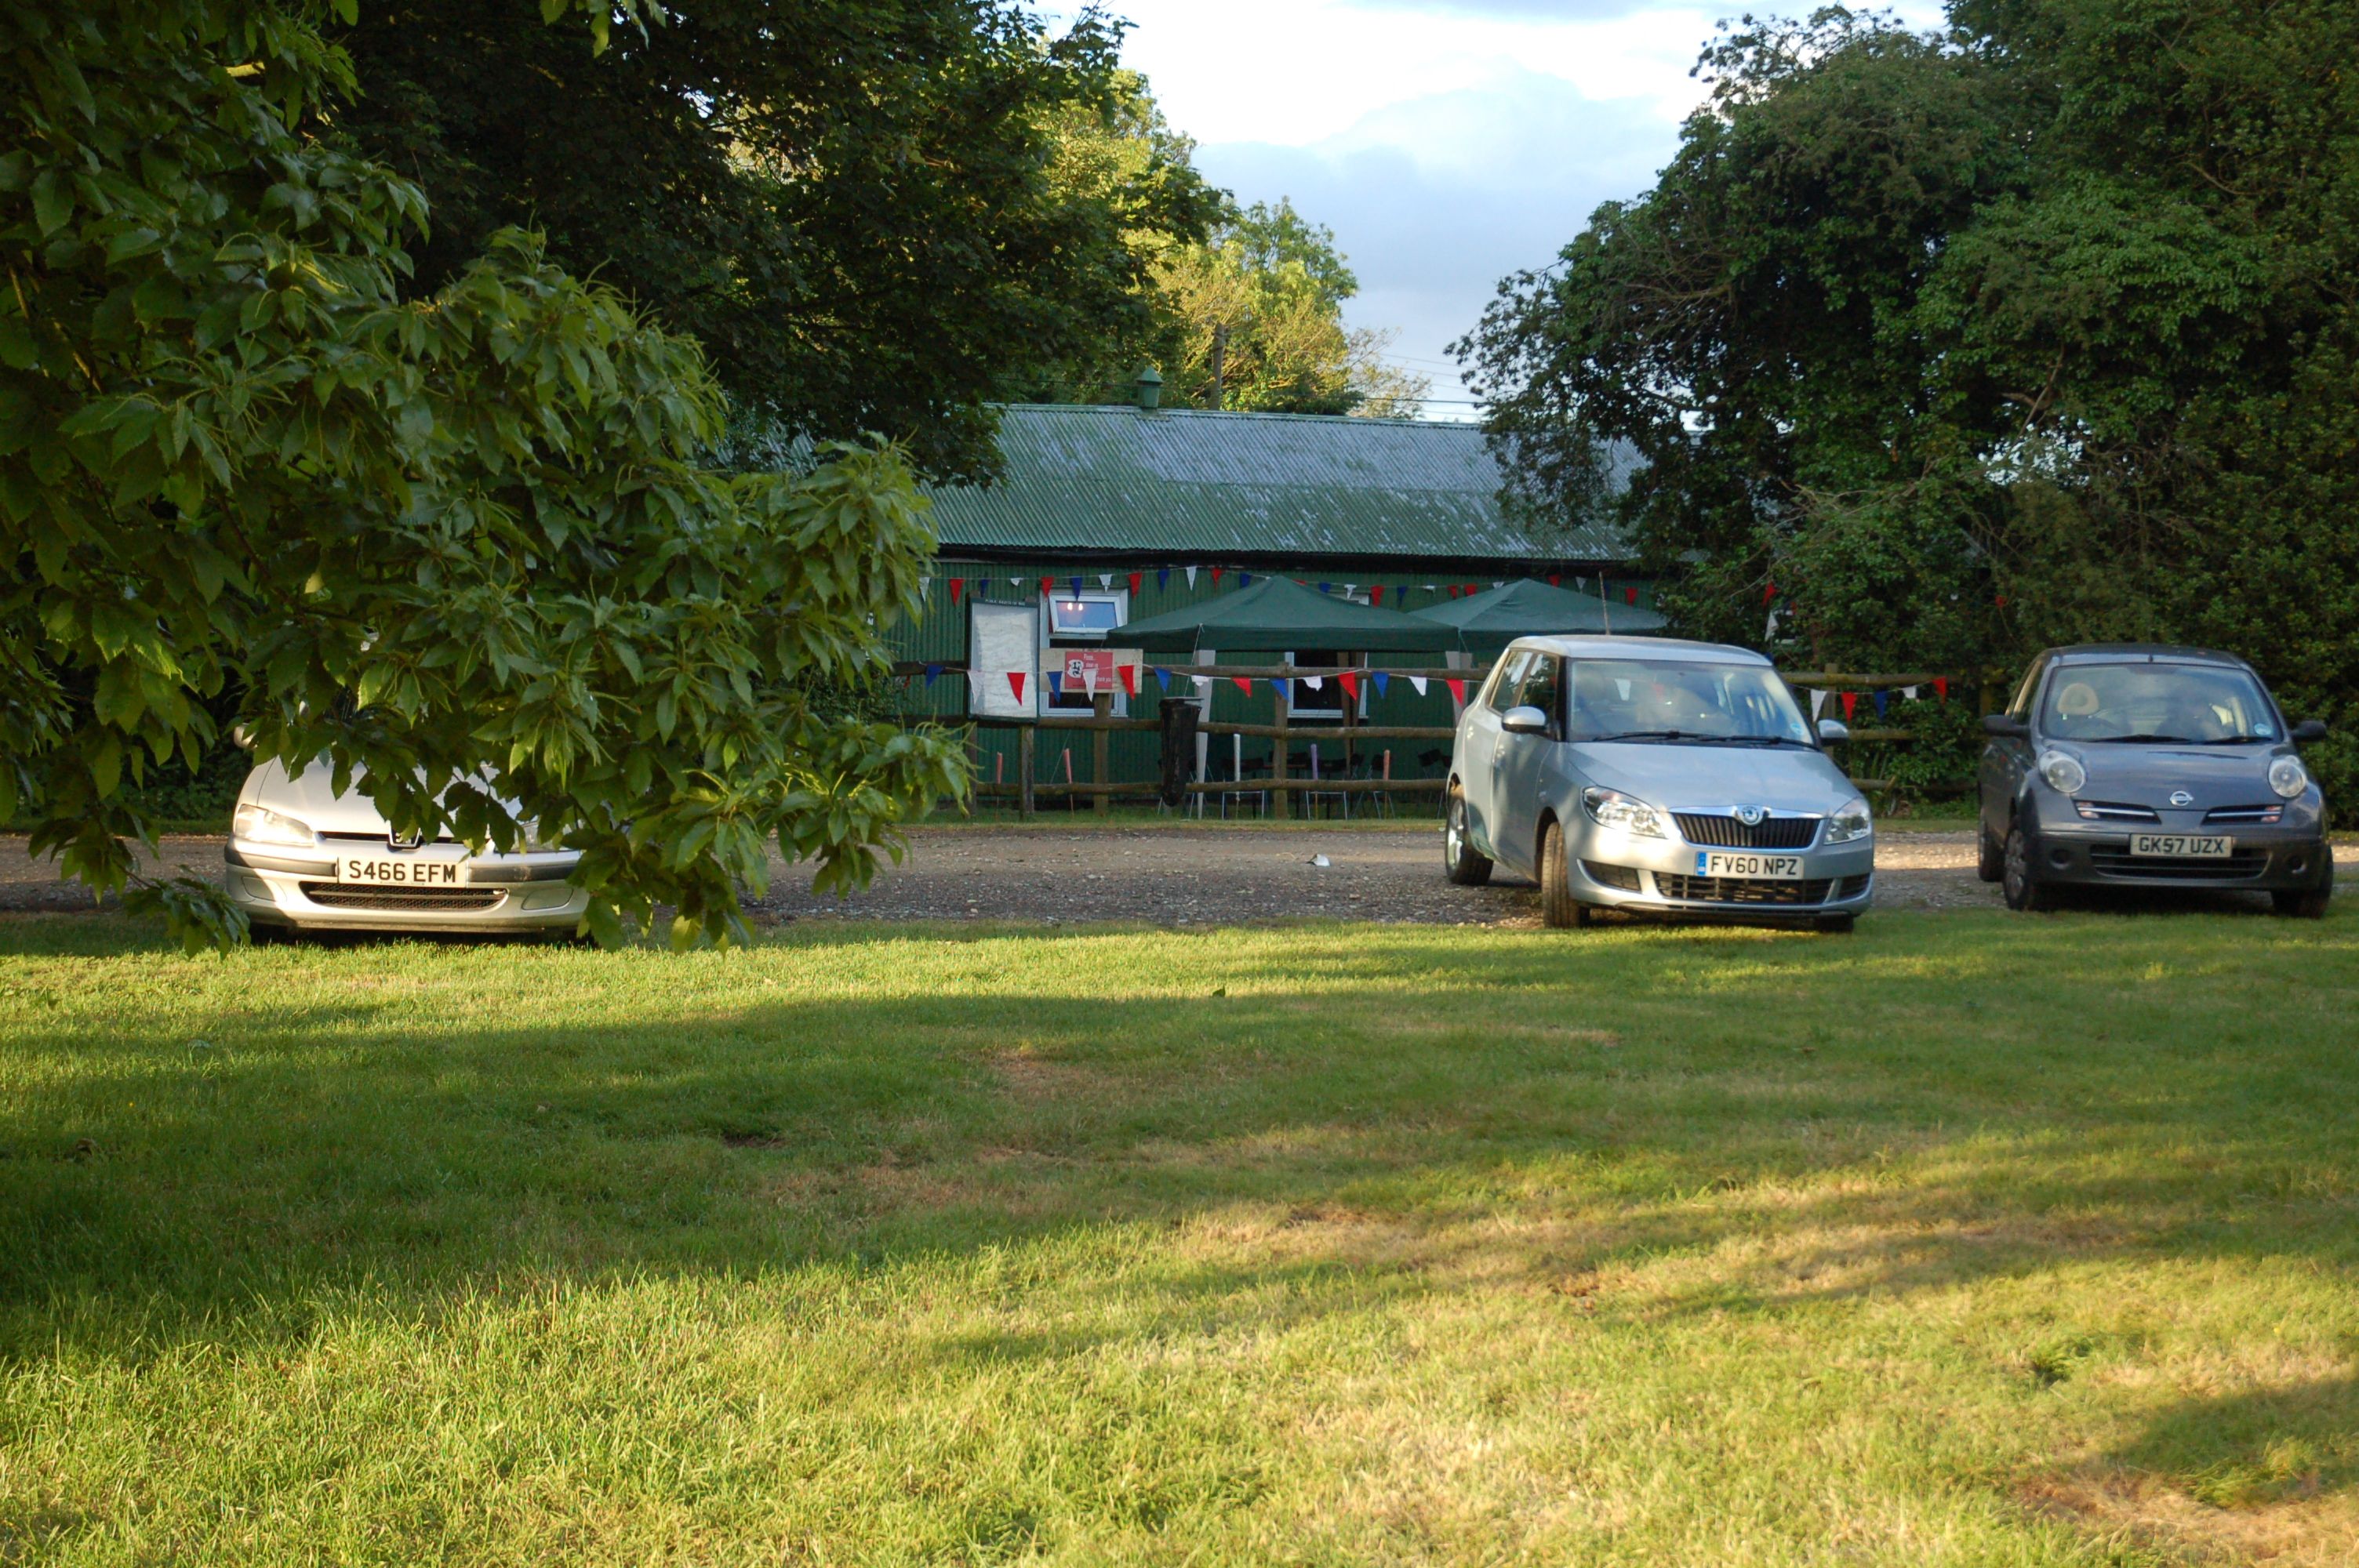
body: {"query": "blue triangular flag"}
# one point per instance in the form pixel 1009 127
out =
pixel 1055 683
pixel 1280 683
pixel 1326 587
pixel 931 671
pixel 1383 680
pixel 1163 577
pixel 1244 579
pixel 1077 586
pixel 1163 677
pixel 1883 701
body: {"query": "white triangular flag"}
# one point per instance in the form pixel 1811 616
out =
pixel 1105 580
pixel 1908 694
pixel 1015 582
pixel 1089 679
pixel 1203 683
pixel 1498 585
pixel 1192 576
pixel 1314 682
pixel 1349 588
pixel 1818 701
pixel 1429 587
pixel 1418 682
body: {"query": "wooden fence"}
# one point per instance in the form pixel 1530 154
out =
pixel 1279 787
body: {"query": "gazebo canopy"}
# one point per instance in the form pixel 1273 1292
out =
pixel 1276 612
pixel 1489 621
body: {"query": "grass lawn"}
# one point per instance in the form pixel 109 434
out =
pixel 1969 1240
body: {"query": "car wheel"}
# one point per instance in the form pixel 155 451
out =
pixel 2023 889
pixel 1835 924
pixel 2309 904
pixel 1990 858
pixel 1558 908
pixel 1459 861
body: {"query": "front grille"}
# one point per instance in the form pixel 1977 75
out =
pixel 1851 887
pixel 1741 890
pixel 1727 833
pixel 2252 814
pixel 1622 877
pixel 2240 865
pixel 340 895
pixel 2114 811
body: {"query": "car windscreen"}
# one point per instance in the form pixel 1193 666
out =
pixel 2154 702
pixel 1652 699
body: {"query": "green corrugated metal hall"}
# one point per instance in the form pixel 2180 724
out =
pixel 1106 514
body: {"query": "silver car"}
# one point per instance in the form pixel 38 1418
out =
pixel 300 856
pixel 1676 777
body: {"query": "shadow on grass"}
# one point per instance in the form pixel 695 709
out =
pixel 1808 1120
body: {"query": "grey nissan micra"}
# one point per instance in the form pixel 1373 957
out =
pixel 1645 773
pixel 2135 765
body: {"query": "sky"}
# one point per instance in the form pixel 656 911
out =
pixel 1448 142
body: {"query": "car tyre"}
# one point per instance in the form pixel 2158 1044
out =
pixel 2309 903
pixel 1559 909
pixel 2020 884
pixel 1990 858
pixel 1460 860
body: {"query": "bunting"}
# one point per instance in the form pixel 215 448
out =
pixel 1244 579
pixel 1016 684
pixel 1192 576
pixel 1278 685
pixel 933 672
pixel 1243 685
pixel 1316 683
pixel 1216 576
pixel 1162 678
pixel 1941 687
pixel 1883 703
pixel 1163 577
pixel 1909 693
pixel 1768 591
pixel 1629 596
pixel 1326 587
pixel 1047 587
pixel 1056 686
pixel 1076 582
pixel 1850 702
pixel 1817 701
pixel 1349 682
pixel 1418 682
pixel 1381 680
pixel 1377 595
pixel 1135 578
pixel 1457 691
pixel 1105 581
pixel 1556 579
pixel 1129 676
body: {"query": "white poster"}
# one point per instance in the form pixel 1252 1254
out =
pixel 1003 640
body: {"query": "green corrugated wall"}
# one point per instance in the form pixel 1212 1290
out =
pixel 938 636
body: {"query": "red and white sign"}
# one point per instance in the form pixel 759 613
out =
pixel 1092 672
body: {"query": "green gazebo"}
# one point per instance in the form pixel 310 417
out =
pixel 1487 622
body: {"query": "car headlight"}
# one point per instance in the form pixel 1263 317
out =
pixel 1850 823
pixel 1611 808
pixel 260 825
pixel 2289 777
pixel 2063 772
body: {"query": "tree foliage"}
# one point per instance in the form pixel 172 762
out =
pixel 1268 288
pixel 460 542
pixel 2036 329
pixel 868 211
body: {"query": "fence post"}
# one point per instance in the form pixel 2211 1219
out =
pixel 1102 706
pixel 1024 773
pixel 1278 797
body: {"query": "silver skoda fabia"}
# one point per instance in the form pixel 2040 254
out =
pixel 301 856
pixel 1675 777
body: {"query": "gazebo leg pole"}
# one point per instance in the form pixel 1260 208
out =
pixel 1101 703
pixel 1279 796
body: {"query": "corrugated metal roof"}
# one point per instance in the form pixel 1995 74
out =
pixel 1113 480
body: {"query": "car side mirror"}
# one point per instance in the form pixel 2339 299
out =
pixel 1526 720
pixel 2309 730
pixel 2005 724
pixel 1833 730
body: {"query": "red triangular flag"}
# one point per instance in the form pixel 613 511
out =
pixel 1135 578
pixel 1452 588
pixel 1129 674
pixel 1047 587
pixel 957 585
pixel 1941 687
pixel 1457 691
pixel 1376 594
pixel 1350 681
pixel 1768 591
pixel 1556 579
pixel 1216 576
pixel 1471 589
pixel 1016 684
pixel 1243 685
pixel 1629 596
pixel 1850 701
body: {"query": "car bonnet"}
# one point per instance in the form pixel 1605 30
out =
pixel 1682 777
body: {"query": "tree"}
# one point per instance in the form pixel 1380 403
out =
pixel 459 544
pixel 854 205
pixel 1268 289
pixel 1956 345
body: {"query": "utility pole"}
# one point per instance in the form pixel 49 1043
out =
pixel 1220 354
